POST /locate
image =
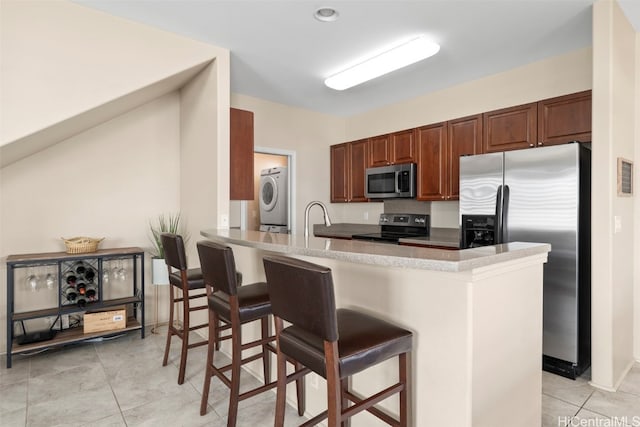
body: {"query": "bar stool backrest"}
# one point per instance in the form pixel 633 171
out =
pixel 218 266
pixel 302 294
pixel 174 254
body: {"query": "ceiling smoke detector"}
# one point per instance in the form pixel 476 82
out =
pixel 326 14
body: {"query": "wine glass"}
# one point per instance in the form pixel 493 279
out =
pixel 122 273
pixel 115 271
pixel 50 280
pixel 32 281
pixel 105 274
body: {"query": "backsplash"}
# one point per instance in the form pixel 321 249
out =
pixel 409 206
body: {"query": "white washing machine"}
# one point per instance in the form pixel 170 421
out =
pixel 273 199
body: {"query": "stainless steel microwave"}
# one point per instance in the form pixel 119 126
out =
pixel 391 181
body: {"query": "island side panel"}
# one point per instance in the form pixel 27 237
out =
pixel 507 345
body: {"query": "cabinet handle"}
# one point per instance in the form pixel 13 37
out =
pixel 531 145
pixel 540 144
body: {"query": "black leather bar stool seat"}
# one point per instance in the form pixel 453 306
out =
pixel 363 341
pixel 335 344
pixel 235 306
pixel 186 280
pixel 194 279
pixel 253 302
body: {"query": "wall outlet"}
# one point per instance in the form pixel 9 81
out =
pixel 224 220
pixel 366 215
pixel 617 224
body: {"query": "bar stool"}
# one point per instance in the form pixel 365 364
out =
pixel 235 306
pixel 335 344
pixel 186 280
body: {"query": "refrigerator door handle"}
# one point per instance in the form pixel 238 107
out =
pixel 497 239
pixel 504 230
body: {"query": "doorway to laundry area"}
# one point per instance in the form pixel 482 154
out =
pixel 247 212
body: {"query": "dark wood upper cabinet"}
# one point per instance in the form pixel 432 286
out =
pixel 379 151
pixel 439 149
pixel 241 180
pixel 403 146
pixel 565 118
pixel 358 162
pixel 465 138
pixel 339 172
pixel 348 163
pixel 510 128
pixel 432 162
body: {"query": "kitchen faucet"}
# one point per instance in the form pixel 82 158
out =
pixel 327 221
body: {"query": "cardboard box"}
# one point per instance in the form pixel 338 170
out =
pixel 110 319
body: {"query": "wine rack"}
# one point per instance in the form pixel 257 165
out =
pixel 82 282
pixel 79 285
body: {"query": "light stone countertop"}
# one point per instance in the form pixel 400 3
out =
pixel 380 254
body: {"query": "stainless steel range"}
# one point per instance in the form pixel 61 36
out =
pixel 396 226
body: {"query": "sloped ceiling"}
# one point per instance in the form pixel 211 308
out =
pixel 65 68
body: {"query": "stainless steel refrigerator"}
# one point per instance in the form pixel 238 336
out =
pixel 540 195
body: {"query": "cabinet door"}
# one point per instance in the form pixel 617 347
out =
pixel 339 173
pixel 241 179
pixel 510 128
pixel 358 162
pixel 432 143
pixel 465 138
pixel 403 146
pixel 379 151
pixel 565 118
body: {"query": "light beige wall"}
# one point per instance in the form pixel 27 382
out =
pixel 204 151
pixel 106 182
pixel 636 187
pixel 614 125
pixel 309 135
pixel 60 59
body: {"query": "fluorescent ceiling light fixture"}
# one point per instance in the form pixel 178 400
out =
pixel 395 58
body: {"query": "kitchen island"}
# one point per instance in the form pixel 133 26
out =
pixel 476 315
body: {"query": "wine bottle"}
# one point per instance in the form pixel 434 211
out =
pixel 91 293
pixel 82 302
pixel 80 268
pixel 81 287
pixel 90 274
pixel 71 294
pixel 71 279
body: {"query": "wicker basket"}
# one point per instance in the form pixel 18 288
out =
pixel 81 245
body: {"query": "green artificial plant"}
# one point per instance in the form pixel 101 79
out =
pixel 164 224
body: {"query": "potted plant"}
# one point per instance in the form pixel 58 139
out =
pixel 164 224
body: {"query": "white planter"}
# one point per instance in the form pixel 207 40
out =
pixel 159 272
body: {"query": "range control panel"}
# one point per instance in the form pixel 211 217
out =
pixel 406 220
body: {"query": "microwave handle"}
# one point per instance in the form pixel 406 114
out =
pixel 398 181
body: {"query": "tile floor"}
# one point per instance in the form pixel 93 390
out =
pixel 567 403
pixel 121 383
